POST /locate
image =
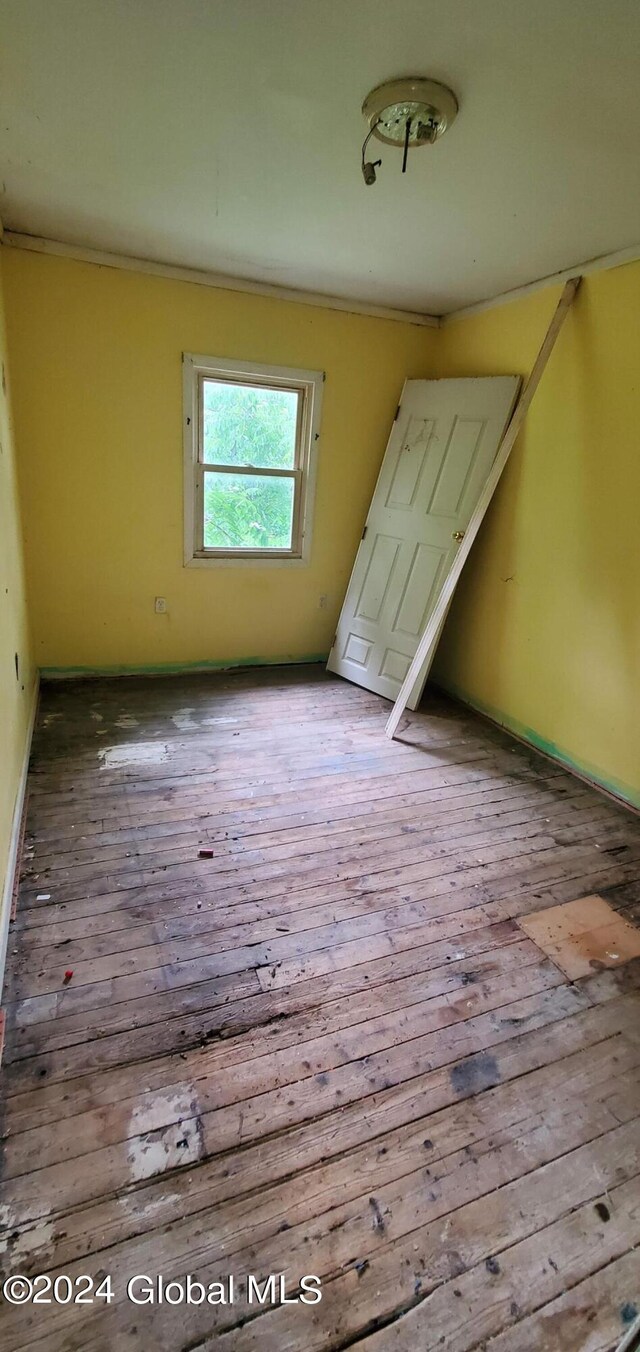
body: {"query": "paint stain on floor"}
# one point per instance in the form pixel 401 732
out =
pixel 133 753
pixel 475 1074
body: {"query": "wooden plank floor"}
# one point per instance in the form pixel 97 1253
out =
pixel 327 1049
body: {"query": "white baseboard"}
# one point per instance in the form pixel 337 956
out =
pixel 13 861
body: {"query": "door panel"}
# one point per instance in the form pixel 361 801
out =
pixel 378 578
pixel 423 582
pixel 456 473
pixel 441 448
pixel 408 468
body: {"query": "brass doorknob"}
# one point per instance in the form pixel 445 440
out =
pixel 458 535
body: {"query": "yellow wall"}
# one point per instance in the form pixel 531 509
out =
pixel 544 632
pixel 16 692
pixel 96 356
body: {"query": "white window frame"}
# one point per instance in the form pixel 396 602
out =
pixel 309 384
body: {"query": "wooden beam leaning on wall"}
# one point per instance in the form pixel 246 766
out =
pixel 425 650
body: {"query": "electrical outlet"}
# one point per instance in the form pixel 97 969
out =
pixel 160 605
pixel 322 601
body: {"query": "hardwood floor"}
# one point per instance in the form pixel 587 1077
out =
pixel 326 1049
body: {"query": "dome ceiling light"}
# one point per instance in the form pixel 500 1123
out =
pixel 406 113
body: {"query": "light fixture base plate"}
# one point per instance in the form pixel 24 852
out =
pixel 429 107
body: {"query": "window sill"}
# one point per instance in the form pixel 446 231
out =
pixel 245 561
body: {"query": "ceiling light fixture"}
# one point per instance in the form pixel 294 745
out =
pixel 406 113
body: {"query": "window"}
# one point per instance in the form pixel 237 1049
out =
pixel 251 434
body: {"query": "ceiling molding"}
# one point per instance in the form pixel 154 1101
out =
pixel 599 264
pixel 36 244
pixel 99 258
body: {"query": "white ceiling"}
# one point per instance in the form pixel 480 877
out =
pixel 226 134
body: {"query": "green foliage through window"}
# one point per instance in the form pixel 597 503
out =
pixel 252 427
pixel 247 511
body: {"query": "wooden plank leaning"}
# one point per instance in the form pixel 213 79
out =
pixel 425 650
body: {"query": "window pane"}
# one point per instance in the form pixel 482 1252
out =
pixel 247 511
pixel 249 425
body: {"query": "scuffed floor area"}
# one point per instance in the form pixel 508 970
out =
pixel 270 1011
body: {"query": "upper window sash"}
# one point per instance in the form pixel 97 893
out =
pixel 301 392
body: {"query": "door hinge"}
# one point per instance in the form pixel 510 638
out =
pixel 364 532
pixel 395 416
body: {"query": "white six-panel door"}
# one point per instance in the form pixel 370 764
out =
pixel 442 444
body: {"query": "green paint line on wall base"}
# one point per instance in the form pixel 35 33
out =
pixel 178 668
pixel 592 774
